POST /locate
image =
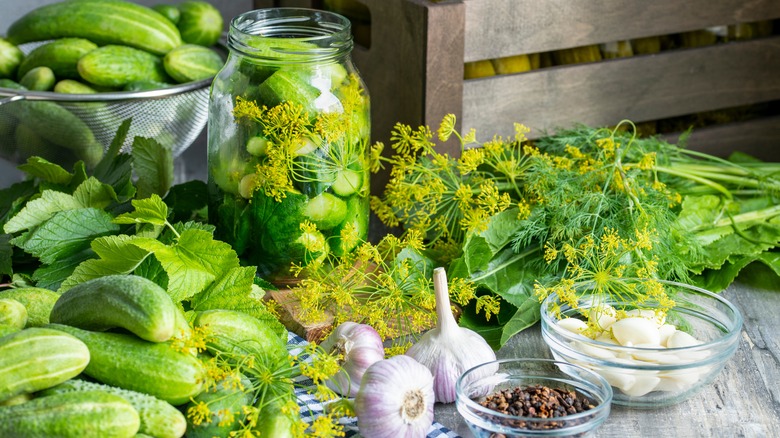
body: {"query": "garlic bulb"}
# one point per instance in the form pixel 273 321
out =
pixel 448 350
pixel 361 346
pixel 395 399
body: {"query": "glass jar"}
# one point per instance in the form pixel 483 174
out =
pixel 288 141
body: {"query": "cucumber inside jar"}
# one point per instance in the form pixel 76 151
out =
pixel 292 172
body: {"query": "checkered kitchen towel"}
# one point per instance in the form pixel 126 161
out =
pixel 311 407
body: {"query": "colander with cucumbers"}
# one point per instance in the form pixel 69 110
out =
pixel 67 84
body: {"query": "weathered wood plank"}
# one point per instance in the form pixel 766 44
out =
pixel 638 88
pixel 497 28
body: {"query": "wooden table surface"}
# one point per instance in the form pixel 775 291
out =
pixel 743 401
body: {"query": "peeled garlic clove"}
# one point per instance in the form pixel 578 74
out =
pixel 665 331
pixel 601 353
pixel 573 325
pixel 677 380
pixel 659 318
pixel 603 314
pixel 617 377
pixel 606 337
pixel 680 339
pixel 643 384
pixel 657 355
pixel 635 330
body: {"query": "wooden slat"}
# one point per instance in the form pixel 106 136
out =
pixel 759 138
pixel 496 28
pixel 639 88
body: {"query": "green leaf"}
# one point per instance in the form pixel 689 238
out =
pixel 153 164
pixel 13 198
pixel 115 255
pixel 152 269
pixel 65 233
pixel 45 170
pixel 186 200
pixel 93 193
pixel 6 253
pixel 40 210
pixel 526 316
pixel 719 279
pixel 764 272
pixel 151 210
pixel 193 262
pixel 52 276
pixel 108 161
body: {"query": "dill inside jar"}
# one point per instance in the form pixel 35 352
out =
pixel 288 141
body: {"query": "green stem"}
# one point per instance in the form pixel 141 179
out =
pixel 698 179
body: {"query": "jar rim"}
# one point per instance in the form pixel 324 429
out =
pixel 298 35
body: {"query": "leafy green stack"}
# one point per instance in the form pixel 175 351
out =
pixel 90 47
pixel 134 295
pixel 583 205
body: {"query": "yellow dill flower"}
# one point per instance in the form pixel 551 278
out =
pixel 447 127
pixel 375 157
pixel 489 305
pixel 550 252
pixel 383 211
pixel 574 152
pixel 523 209
pixel 326 427
pixel 470 137
pixel 199 413
pixel 397 349
pixel 648 161
pixel 227 417
pixel 520 132
pixel 470 160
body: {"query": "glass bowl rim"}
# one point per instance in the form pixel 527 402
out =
pixel 603 386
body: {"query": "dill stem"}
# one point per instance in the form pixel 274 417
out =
pixel 720 174
pixel 720 188
pixel 751 216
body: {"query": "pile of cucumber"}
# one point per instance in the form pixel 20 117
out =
pixel 105 359
pixel 95 46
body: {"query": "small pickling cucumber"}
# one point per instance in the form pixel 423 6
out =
pixel 131 302
pixel 170 12
pixel 38 79
pixel 144 85
pixel 239 334
pixel 199 23
pixel 347 182
pixel 12 313
pixel 154 368
pixel 61 56
pixel 117 66
pixel 38 358
pixel 29 143
pixel 10 59
pixel 228 395
pixel 325 210
pixel 100 21
pixel 192 62
pixel 71 86
pixel 91 414
pixel 355 226
pixel 37 300
pixel 289 85
pixel 158 418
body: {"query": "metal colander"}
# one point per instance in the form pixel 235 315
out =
pixel 173 116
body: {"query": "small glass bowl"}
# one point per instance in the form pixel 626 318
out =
pixel 483 380
pixel 647 376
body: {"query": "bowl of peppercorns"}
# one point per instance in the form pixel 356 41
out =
pixel 532 398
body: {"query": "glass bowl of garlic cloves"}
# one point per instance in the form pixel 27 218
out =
pixel 654 352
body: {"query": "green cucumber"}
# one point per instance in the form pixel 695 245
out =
pixel 170 12
pixel 60 55
pixel 224 397
pixel 38 79
pixel 347 182
pixel 38 358
pixel 325 210
pixel 29 143
pixel 357 219
pixel 191 62
pixel 91 414
pixel 70 86
pixel 131 302
pixel 289 85
pixel 117 66
pixel 10 59
pixel 145 85
pixel 154 368
pixel 12 313
pixel 238 334
pixel 103 22
pixel 37 300
pixel 158 418
pixel 199 23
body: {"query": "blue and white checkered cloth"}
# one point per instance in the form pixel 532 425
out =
pixel 311 407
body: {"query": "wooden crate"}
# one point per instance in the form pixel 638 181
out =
pixel 414 67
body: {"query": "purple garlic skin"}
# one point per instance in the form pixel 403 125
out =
pixel 361 347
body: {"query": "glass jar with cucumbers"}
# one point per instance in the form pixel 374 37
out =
pixel 288 141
